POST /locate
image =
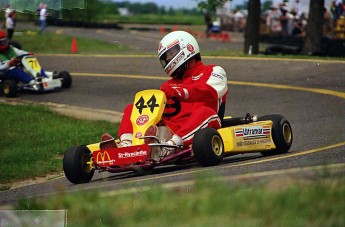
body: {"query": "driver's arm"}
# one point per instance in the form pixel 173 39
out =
pixel 214 87
pixel 19 52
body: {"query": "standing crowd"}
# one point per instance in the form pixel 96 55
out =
pixel 292 22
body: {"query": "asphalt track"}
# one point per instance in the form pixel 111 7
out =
pixel 310 93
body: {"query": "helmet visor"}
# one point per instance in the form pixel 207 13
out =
pixel 169 55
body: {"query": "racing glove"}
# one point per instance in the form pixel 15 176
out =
pixel 13 62
pixel 180 93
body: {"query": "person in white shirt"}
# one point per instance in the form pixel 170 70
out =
pixel 10 24
pixel 43 18
pixel 8 10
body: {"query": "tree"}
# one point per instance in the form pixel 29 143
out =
pixel 266 5
pixel 251 36
pixel 210 5
pixel 313 39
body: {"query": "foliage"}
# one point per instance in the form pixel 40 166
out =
pixel 277 201
pixel 266 5
pixel 210 5
pixel 179 19
pixel 242 6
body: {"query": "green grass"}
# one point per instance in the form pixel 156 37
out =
pixel 179 19
pixel 34 138
pixel 61 44
pixel 208 203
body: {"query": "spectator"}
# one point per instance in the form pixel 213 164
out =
pixel 284 19
pixel 208 22
pixel 43 18
pixel 298 29
pixel 8 10
pixel 339 8
pixel 10 24
pixel 327 22
pixel 38 11
pixel 273 21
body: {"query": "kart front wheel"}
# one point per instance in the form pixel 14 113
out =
pixel 77 165
pixel 208 147
pixel 281 134
pixel 9 88
pixel 66 79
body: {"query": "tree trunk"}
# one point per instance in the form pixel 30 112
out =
pixel 251 36
pixel 313 39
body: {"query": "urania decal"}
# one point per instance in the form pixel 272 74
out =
pixel 253 132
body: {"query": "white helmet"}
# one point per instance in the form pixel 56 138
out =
pixel 175 49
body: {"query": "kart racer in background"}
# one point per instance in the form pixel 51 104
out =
pixel 201 89
pixel 8 60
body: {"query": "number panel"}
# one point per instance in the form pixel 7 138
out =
pixel 147 110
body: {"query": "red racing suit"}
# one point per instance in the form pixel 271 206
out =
pixel 205 88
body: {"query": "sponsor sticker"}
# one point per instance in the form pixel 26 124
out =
pixel 190 47
pixel 197 77
pixel 173 43
pixel 103 158
pixel 253 132
pixel 253 142
pixel 217 76
pixel 138 135
pixel 139 153
pixel 142 120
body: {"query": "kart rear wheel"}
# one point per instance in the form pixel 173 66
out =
pixel 9 88
pixel 76 165
pixel 281 134
pixel 66 79
pixel 208 147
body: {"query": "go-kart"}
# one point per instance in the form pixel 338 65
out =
pixel 42 80
pixel 269 134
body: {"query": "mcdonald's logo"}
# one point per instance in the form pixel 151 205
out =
pixel 103 158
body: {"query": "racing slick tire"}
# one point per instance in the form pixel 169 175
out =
pixel 9 88
pixel 281 134
pixel 75 165
pixel 208 147
pixel 66 79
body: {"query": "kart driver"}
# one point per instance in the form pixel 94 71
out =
pixel 201 89
pixel 8 61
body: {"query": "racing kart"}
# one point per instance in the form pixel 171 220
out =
pixel 269 134
pixel 43 80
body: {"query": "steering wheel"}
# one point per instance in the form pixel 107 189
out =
pixel 176 105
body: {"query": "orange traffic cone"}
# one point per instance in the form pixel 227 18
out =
pixel 74 47
pixel 162 30
pixel 225 37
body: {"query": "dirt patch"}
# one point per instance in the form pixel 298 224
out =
pixel 36 180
